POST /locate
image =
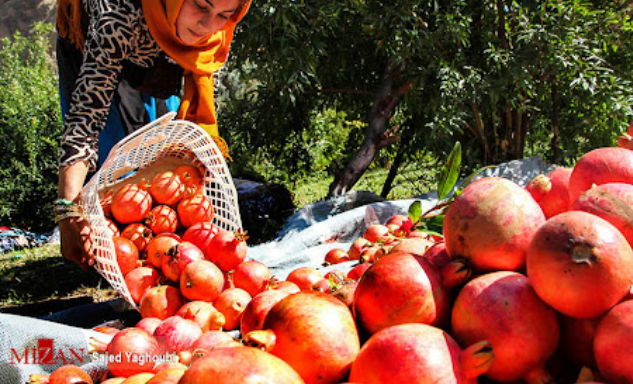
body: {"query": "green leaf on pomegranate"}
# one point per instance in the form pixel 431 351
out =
pixel 450 172
pixel 415 211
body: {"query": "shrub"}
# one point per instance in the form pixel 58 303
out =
pixel 30 127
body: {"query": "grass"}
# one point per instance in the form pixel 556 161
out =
pixel 39 281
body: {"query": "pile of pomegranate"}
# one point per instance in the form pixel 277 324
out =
pixel 526 284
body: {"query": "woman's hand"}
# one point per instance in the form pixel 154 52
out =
pixel 76 243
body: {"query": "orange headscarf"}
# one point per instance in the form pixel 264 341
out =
pixel 199 61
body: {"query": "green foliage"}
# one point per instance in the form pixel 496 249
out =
pixel 30 126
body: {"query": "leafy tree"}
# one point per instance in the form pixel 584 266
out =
pixel 505 78
pixel 30 126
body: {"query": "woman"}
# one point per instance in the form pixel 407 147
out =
pixel 111 48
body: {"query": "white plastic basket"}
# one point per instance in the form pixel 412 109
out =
pixel 161 145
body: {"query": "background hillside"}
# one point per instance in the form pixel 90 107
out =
pixel 19 15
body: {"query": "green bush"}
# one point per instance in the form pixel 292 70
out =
pixel 30 127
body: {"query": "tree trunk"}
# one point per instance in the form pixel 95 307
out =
pixel 377 134
pixel 393 171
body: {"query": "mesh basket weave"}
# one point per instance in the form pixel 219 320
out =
pixel 159 146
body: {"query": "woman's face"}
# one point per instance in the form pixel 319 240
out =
pixel 200 18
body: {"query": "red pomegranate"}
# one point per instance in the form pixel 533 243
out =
pixel 252 276
pixel 201 280
pixel 167 188
pixel 571 255
pixel 401 288
pixel 256 310
pixel 357 247
pixel 132 345
pixel 139 234
pixel 419 353
pixel 139 280
pixel 438 255
pixel 492 223
pixel 201 234
pixel 209 340
pixel 336 256
pixel 314 333
pixel 111 225
pixel 194 209
pixel 131 203
pixel 191 178
pixel 149 324
pixel 305 277
pixel 286 286
pixel 611 201
pixel 551 192
pixel 161 301
pixel 158 248
pixel 167 376
pixel 178 257
pixel 176 334
pixel 202 313
pixel 162 219
pixel 231 303
pixel 613 344
pixel 345 292
pixel 377 232
pixel 126 254
pixel 414 245
pixel 601 166
pixel 247 366
pixel 67 374
pixel 503 308
pixel 227 249
pixel 358 271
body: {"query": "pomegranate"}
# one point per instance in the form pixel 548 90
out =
pixel 286 286
pixel 178 257
pixel 149 324
pixel 419 353
pixel 611 201
pixel 126 254
pixel 132 345
pixel 415 245
pixel 572 254
pixel 201 234
pixel 551 192
pixel 194 209
pixel 131 203
pixel 345 292
pixel 256 310
pixel 168 365
pixel 491 224
pixel 227 249
pixel 158 247
pixel 612 344
pixel 201 280
pixel 202 313
pixel 305 277
pixel 247 365
pixel 209 340
pixel 176 334
pixel 67 374
pixel 401 288
pixel 168 376
pixel 191 178
pixel 231 303
pixel 162 219
pixel 601 166
pixel 357 247
pixel 161 301
pixel 314 333
pixel 438 255
pixel 252 276
pixel 139 234
pixel 358 271
pixel 139 378
pixel 503 308
pixel 106 204
pixel 377 232
pixel 141 279
pixel 167 188
pixel 336 256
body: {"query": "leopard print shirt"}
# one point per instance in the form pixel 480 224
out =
pixel 117 32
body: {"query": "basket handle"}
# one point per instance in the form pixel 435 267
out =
pixel 169 116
